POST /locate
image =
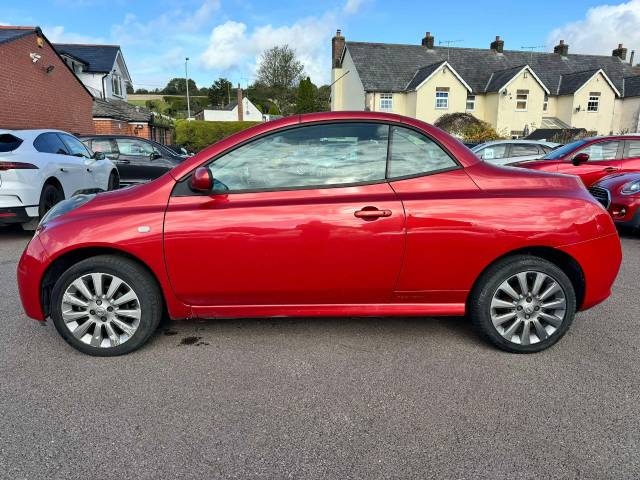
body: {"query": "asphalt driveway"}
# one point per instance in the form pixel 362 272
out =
pixel 323 398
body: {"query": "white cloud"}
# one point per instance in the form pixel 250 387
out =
pixel 57 34
pixel 201 16
pixel 233 47
pixel 602 28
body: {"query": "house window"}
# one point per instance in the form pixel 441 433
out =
pixel 386 101
pixel 594 102
pixel 471 102
pixel 442 97
pixel 116 86
pixel 545 104
pixel 522 98
pixel 516 134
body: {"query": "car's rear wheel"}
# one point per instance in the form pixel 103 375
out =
pixel 523 304
pixel 49 196
pixel 106 305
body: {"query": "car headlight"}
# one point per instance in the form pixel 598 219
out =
pixel 631 187
pixel 65 206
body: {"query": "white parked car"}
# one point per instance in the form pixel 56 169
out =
pixel 39 168
pixel 504 152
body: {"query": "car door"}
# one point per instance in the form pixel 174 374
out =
pixel 631 156
pixel 494 153
pixel 603 160
pixel 301 216
pixel 81 155
pixel 140 161
pixel 68 169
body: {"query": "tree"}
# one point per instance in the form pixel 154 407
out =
pixel 142 91
pixel 467 127
pixel 219 92
pixel 177 86
pixel 306 100
pixel 279 67
pixel 323 100
pixel 129 88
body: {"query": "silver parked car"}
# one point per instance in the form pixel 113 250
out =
pixel 504 152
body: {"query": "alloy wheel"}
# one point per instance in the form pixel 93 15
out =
pixel 528 307
pixel 101 310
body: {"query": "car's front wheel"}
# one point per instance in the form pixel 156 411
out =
pixel 523 304
pixel 106 305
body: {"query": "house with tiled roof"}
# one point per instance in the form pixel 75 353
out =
pixel 514 91
pixel 37 88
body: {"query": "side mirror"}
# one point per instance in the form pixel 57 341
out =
pixel 155 155
pixel 580 158
pixel 201 180
pixel 99 156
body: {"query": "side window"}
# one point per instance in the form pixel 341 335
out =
pixel 106 146
pixel 493 152
pixel 413 153
pixel 131 146
pixel 75 146
pixel 601 150
pixel 50 143
pixel 633 149
pixel 318 155
pixel 524 149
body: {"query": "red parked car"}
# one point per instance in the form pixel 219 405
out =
pixel 592 158
pixel 620 194
pixel 342 213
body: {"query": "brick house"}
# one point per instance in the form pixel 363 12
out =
pixel 37 88
pixel 115 117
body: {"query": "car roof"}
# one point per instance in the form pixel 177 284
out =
pixel 505 142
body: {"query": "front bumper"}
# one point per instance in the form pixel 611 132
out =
pixel 600 261
pixel 31 268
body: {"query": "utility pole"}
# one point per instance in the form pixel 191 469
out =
pixel 186 75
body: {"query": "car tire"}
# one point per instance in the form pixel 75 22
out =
pixel 107 325
pixel 49 196
pixel 511 310
pixel 114 181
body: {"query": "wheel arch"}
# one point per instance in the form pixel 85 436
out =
pixel 66 260
pixel 560 259
pixel 52 180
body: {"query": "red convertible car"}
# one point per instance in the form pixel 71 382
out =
pixel 328 214
pixel 620 194
pixel 592 158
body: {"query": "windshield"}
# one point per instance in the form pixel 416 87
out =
pixel 565 149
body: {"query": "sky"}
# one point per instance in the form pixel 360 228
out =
pixel 224 38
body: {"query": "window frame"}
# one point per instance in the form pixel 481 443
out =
pixel 387 97
pixel 470 98
pixel 545 103
pixel 524 93
pixel 627 148
pixel 54 134
pixel 619 151
pixel 182 189
pixel 445 91
pixel 596 96
pixel 115 80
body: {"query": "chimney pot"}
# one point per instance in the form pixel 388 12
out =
pixel 428 41
pixel 620 52
pixel 561 49
pixel 497 45
pixel 337 47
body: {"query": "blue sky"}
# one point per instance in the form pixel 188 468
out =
pixel 226 37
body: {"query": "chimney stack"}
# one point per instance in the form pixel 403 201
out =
pixel 620 52
pixel 337 47
pixel 561 49
pixel 428 41
pixel 497 45
pixel 240 105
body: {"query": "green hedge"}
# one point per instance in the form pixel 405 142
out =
pixel 198 134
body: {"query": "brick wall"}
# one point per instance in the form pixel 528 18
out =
pixel 32 98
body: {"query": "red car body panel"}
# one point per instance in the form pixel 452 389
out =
pixel 624 208
pixel 305 252
pixel 591 171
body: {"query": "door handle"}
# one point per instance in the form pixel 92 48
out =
pixel 123 161
pixel 63 169
pixel 610 169
pixel 371 213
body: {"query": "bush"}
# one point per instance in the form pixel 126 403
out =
pixel 198 134
pixel 467 127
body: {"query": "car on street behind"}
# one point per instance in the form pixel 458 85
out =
pixel 39 168
pixel 620 195
pixel 325 214
pixel 504 152
pixel 138 159
pixel 593 158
